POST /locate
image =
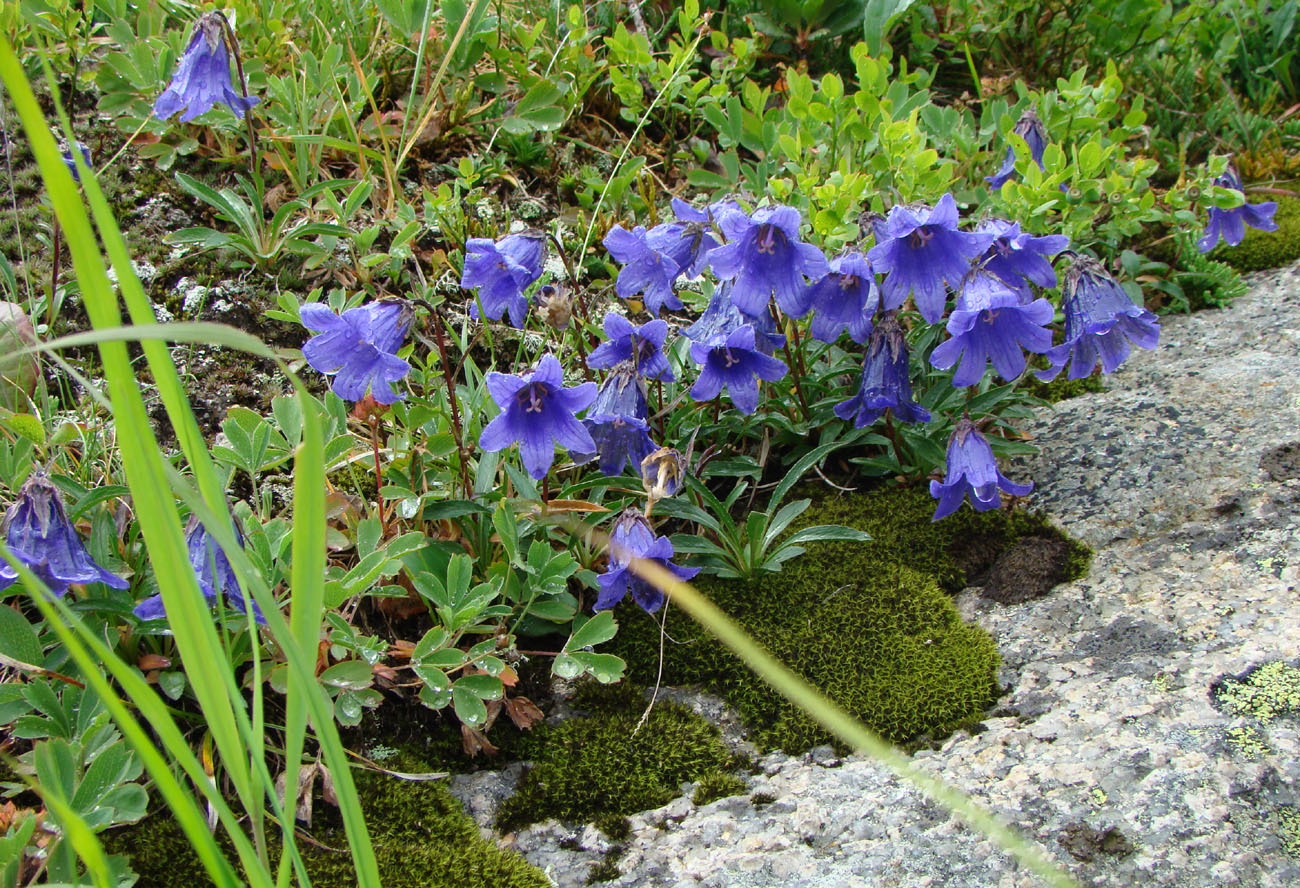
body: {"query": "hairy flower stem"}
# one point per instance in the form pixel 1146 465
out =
pixel 440 336
pixel 798 386
pixel 579 305
pixel 892 434
pixel 379 476
pixel 254 158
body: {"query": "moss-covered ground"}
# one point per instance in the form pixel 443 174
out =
pixel 422 839
pixel 872 624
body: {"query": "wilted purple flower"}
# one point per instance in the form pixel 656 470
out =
pixel 642 345
pixel 721 317
pixel 1231 224
pixel 72 163
pixel 972 469
pixel 885 384
pixel 648 269
pixel 502 270
pixel 765 257
pixel 633 537
pixel 918 250
pixel 991 323
pixel 662 473
pixel 733 361
pixel 216 576
pixel 555 306
pixel 617 423
pixel 1018 258
pixel 39 534
pixel 1031 129
pixel 537 411
pixel 1100 321
pixel 359 347
pixel 202 78
pixel 846 298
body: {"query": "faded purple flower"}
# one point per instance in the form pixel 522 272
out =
pixel 502 270
pixel 733 361
pixel 1100 321
pixel 216 576
pixel 202 78
pixel 537 411
pixel 992 323
pixel 845 299
pixel 648 269
pixel 885 384
pixel 643 345
pixel 39 534
pixel 721 317
pixel 1019 258
pixel 919 250
pixel 359 347
pixel 1231 224
pixel 1031 129
pixel 765 258
pixel 617 423
pixel 633 537
pixel 662 473
pixel 972 469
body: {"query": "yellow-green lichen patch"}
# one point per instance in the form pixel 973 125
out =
pixel 421 836
pixel 868 623
pixel 607 762
pixel 1264 693
pixel 1288 830
pixel 1267 249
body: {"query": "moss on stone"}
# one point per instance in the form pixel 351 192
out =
pixel 868 623
pixel 1266 249
pixel 718 785
pixel 607 763
pixel 1288 830
pixel 422 839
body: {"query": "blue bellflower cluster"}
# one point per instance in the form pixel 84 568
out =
pixel 1230 225
pixel 655 259
pixel 216 577
pixel 39 534
pixel 634 538
pixel 202 79
pixel 359 348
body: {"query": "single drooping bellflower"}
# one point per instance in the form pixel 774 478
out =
pixel 735 362
pixel 885 384
pixel 502 270
pixel 617 423
pixel 216 576
pixel 1100 322
pixel 992 323
pixel 920 251
pixel 202 79
pixel 537 411
pixel 1031 129
pixel 765 259
pixel 359 347
pixel 845 299
pixel 642 345
pixel 972 470
pixel 648 268
pixel 39 534
pixel 721 316
pixel 1231 224
pixel 634 538
pixel 1019 258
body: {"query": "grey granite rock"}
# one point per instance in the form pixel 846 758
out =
pixel 1109 750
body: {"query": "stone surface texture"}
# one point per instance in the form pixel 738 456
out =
pixel 1108 749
